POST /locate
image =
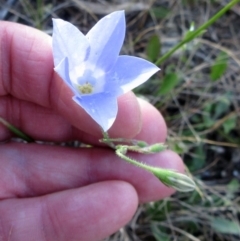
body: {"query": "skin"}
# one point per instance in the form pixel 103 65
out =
pixel 61 193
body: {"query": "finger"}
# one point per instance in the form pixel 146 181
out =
pixel 154 128
pixel 45 124
pixel 30 170
pixel 90 213
pixel 26 67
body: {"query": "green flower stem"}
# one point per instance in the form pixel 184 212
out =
pixel 122 150
pixel 155 148
pixel 107 140
pixel 123 140
pixel 195 33
pixel 136 145
pixel 16 131
pixel 110 141
pixel 169 178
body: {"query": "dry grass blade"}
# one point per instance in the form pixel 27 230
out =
pixel 106 7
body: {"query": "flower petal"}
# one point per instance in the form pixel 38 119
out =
pixel 63 71
pixel 130 72
pixel 106 39
pixel 68 42
pixel 101 107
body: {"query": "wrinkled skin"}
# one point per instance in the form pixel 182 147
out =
pixel 58 193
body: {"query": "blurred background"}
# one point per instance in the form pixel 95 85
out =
pixel 198 93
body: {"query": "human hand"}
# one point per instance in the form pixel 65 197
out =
pixel 57 193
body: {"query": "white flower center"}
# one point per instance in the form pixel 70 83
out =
pixel 88 82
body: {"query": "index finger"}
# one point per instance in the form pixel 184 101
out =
pixel 26 67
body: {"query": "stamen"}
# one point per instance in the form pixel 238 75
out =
pixel 85 88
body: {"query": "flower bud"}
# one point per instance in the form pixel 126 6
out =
pixel 181 182
pixel 176 180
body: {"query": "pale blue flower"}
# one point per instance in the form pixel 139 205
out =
pixel 91 66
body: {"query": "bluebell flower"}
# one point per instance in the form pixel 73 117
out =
pixel 91 66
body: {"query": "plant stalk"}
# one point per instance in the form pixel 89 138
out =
pixel 195 33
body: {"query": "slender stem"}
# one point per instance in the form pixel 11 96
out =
pixel 197 32
pixel 16 131
pixel 124 140
pixel 119 152
pixel 107 140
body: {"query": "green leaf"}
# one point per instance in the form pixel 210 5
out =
pixel 199 158
pixel 159 234
pixel 208 120
pixel 168 83
pixel 229 124
pixel 221 107
pixel 153 48
pixel 222 225
pixel 219 67
pixel 190 30
pixel 179 147
pixel 233 186
pixel 160 12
